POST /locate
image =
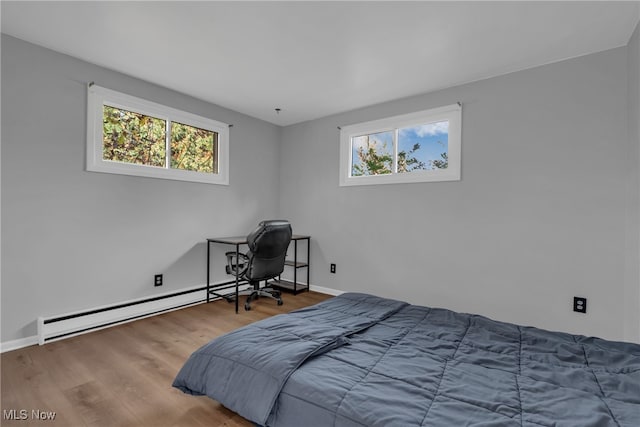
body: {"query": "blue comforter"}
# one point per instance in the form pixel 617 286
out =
pixel 360 360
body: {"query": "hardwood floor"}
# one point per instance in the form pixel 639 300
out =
pixel 122 376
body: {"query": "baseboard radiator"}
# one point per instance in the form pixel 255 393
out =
pixel 71 324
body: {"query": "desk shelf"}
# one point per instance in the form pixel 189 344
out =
pixel 288 285
pixel 295 263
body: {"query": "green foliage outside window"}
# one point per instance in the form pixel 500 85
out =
pixel 442 163
pixel 407 162
pixel 193 149
pixel 373 157
pixel 133 138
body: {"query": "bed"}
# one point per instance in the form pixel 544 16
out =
pixel 362 360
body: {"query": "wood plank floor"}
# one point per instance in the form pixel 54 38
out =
pixel 122 376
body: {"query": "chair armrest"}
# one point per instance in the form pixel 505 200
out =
pixel 236 266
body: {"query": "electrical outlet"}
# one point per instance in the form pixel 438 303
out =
pixel 157 280
pixel 333 268
pixel 579 305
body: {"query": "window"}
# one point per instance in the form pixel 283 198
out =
pixel 132 136
pixel 417 147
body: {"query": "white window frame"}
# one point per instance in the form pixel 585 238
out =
pixel 98 96
pixel 451 113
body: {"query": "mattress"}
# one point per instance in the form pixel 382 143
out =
pixel 361 360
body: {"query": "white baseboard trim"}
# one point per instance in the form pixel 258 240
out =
pixel 19 343
pixel 328 291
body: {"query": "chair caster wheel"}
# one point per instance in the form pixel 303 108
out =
pixel 280 302
pixel 247 307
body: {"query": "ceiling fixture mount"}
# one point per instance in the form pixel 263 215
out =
pixel 278 110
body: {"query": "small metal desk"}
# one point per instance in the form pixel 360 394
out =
pixel 237 241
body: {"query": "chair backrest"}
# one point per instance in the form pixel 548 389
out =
pixel 268 245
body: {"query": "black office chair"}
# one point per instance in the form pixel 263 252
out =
pixel 268 245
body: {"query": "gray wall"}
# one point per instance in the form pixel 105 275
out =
pixel 73 239
pixel 632 265
pixel 538 217
pixel 547 207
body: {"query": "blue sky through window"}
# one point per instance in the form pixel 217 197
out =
pixel 377 149
pixel 432 137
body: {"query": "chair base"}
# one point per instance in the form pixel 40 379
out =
pixel 264 292
pixel 255 293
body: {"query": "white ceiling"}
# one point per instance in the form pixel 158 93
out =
pixel 314 59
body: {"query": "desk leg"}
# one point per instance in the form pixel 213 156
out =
pixel 208 267
pixel 295 267
pixel 308 265
pixel 237 278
